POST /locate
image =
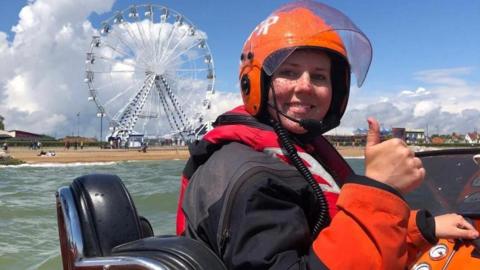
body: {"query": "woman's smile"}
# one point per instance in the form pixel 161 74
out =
pixel 298 108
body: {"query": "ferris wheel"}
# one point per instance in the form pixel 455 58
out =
pixel 150 72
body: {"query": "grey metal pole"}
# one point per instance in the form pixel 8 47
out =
pixel 101 129
pixel 78 124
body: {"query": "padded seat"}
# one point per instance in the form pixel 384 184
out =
pixel 99 226
pixel 172 252
pixel 107 213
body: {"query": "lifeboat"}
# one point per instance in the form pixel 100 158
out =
pixel 99 227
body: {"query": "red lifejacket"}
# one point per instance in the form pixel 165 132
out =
pixel 238 126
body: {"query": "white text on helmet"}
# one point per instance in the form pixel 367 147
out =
pixel 263 27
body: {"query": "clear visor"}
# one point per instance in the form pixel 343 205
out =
pixel 351 39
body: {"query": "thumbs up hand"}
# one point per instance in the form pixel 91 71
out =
pixel 391 162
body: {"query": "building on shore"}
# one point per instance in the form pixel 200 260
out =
pixel 415 136
pixel 342 136
pixel 19 134
pixel 5 135
pixel 472 138
pixel 357 137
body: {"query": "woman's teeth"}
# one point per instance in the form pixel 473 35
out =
pixel 299 107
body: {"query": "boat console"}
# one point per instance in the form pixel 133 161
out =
pixel 99 228
pixel 451 185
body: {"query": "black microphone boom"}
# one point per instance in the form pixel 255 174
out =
pixel 311 125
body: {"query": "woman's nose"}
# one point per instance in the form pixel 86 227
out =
pixel 304 82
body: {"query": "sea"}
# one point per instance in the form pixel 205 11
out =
pixel 28 224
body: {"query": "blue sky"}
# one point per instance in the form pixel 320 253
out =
pixel 407 36
pixel 425 69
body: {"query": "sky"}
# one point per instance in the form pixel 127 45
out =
pixel 425 71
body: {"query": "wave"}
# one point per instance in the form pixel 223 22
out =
pixel 355 157
pixel 61 165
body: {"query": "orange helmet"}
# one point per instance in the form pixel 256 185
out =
pixel 303 24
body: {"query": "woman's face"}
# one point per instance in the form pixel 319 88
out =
pixel 303 88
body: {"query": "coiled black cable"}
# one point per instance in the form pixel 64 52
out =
pixel 323 217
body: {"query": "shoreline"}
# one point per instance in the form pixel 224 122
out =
pixel 91 154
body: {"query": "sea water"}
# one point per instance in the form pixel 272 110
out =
pixel 28 224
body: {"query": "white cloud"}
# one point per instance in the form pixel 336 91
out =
pixel 424 107
pixel 65 34
pixel 417 93
pixel 3 41
pixel 222 102
pixel 449 103
pixel 450 77
pixel 42 69
pixel 17 95
pixel 6 70
pixel 384 99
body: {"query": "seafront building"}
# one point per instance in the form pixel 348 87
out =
pixel 19 134
pixel 357 137
pixel 472 138
pixel 415 136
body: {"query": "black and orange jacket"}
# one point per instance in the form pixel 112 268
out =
pixel 256 211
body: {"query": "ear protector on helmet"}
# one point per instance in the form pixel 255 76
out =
pixel 245 84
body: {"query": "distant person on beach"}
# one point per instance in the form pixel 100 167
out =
pixel 265 190
pixel 143 147
pixel 5 147
pixel 46 153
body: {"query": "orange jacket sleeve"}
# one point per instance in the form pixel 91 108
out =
pixel 416 241
pixel 369 231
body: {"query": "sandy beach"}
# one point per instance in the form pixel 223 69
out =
pixel 350 151
pixel 91 154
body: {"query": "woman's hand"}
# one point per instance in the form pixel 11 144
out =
pixel 454 226
pixel 391 162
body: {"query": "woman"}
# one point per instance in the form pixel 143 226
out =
pixel 267 191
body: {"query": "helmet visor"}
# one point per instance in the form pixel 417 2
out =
pixel 312 24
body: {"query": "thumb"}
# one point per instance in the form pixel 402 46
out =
pixel 373 135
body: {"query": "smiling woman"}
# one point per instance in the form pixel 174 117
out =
pixel 265 190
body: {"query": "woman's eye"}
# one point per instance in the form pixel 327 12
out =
pixel 318 77
pixel 289 74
